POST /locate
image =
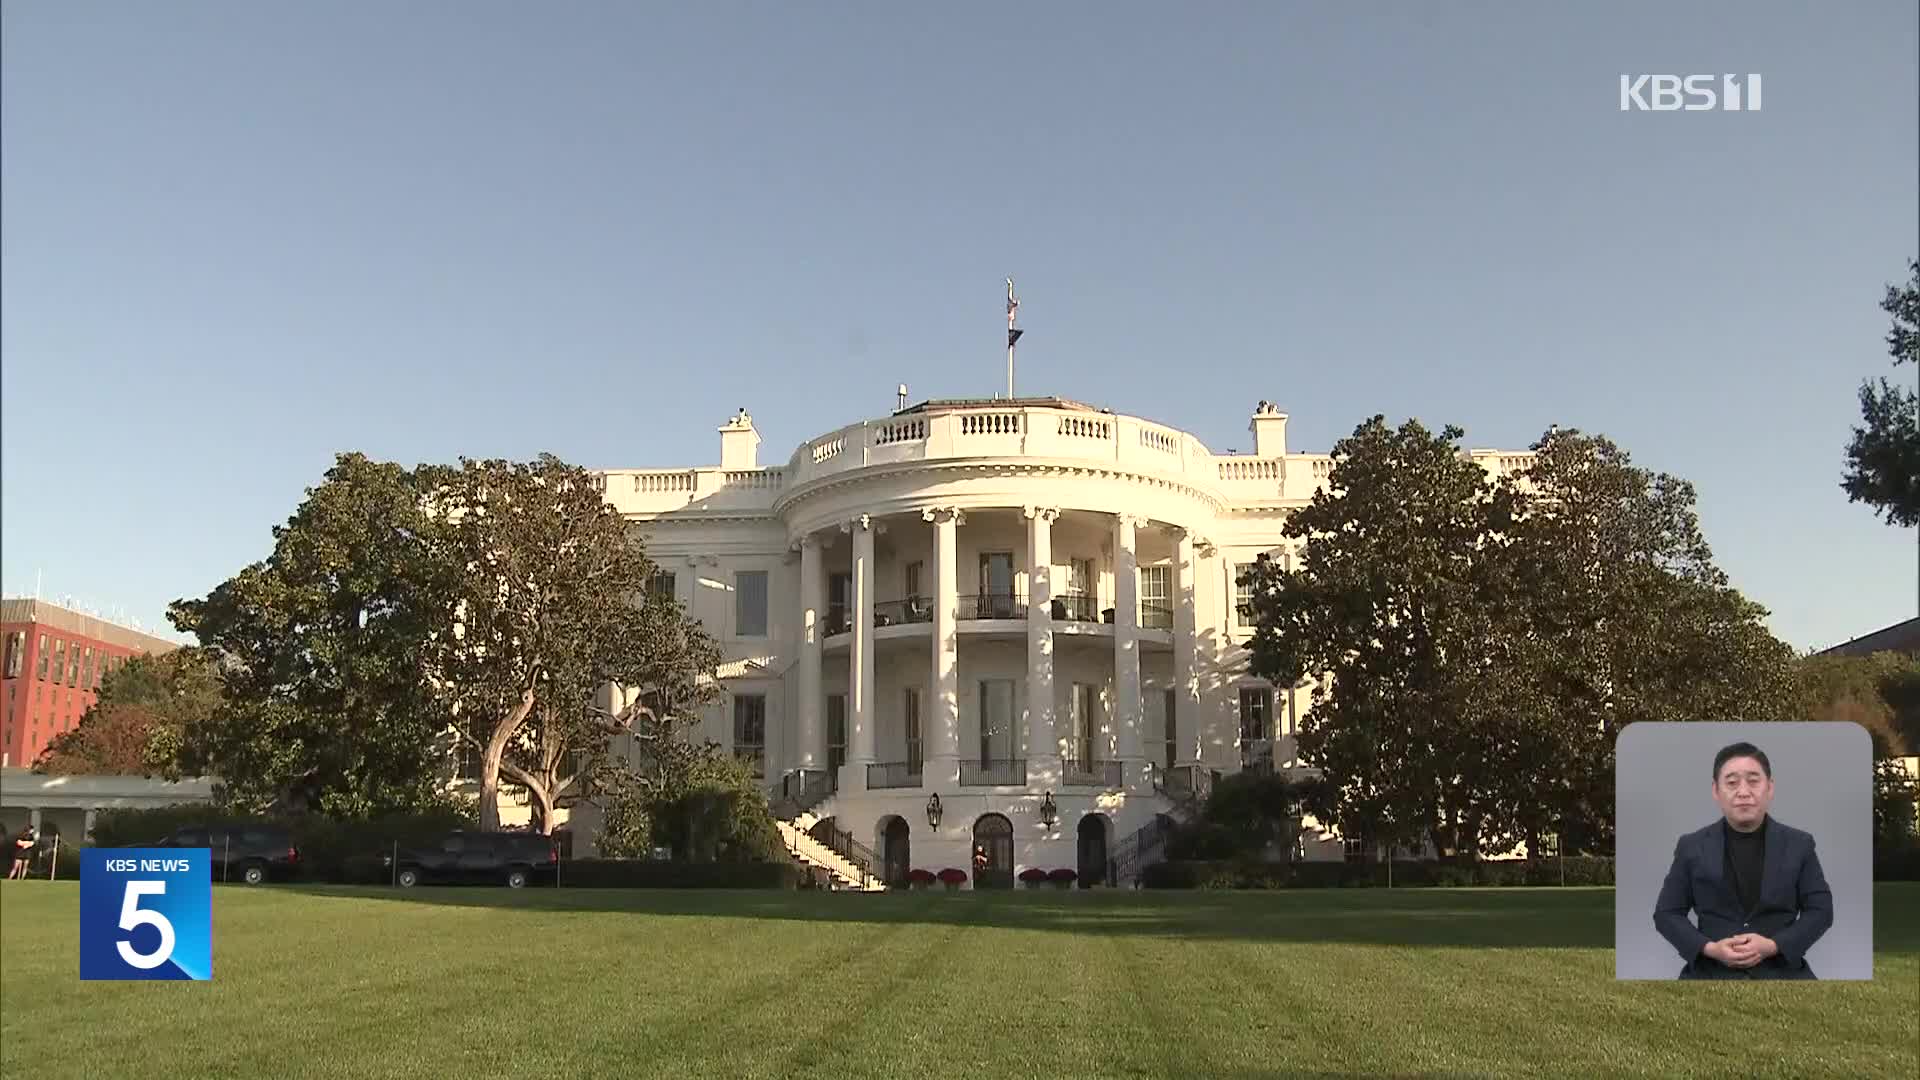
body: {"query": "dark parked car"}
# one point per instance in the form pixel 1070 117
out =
pixel 247 851
pixel 515 859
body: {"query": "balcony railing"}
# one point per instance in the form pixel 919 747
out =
pixel 992 606
pixel 893 774
pixel 1155 616
pixel 838 620
pixel 914 609
pixel 1076 609
pixel 1078 772
pixel 1003 772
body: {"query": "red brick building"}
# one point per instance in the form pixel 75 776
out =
pixel 55 659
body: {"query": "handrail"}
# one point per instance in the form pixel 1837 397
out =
pixel 894 774
pixel 1137 852
pixel 992 606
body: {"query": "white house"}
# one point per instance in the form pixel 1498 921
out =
pixel 1021 608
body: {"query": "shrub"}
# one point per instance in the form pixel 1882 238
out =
pixel 654 874
pixel 921 879
pixel 1033 877
pixel 953 878
pixel 1063 876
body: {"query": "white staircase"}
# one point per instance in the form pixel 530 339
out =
pixel 810 852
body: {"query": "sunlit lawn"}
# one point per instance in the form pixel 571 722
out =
pixel 542 983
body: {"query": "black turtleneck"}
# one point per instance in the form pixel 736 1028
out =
pixel 1746 855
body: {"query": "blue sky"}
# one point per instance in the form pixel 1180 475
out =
pixel 239 238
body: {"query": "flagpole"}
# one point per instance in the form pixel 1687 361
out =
pixel 1013 305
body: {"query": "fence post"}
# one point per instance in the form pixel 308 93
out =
pixel 53 871
pixel 394 878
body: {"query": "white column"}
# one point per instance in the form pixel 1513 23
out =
pixel 813 604
pixel 942 770
pixel 1126 646
pixel 1043 746
pixel 861 714
pixel 1186 680
pixel 92 815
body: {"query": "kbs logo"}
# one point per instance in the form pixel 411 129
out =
pixel 1692 93
pixel 146 913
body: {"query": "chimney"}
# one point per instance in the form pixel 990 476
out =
pixel 739 444
pixel 903 397
pixel 1269 428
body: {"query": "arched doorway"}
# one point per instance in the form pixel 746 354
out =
pixel 995 834
pixel 896 849
pixel 1093 850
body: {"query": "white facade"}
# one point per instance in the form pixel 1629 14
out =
pixel 990 601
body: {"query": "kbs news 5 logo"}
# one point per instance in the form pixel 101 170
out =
pixel 146 913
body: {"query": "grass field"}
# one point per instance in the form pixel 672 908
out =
pixel 545 983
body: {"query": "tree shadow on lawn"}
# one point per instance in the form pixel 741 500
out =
pixel 1463 918
pixel 1531 918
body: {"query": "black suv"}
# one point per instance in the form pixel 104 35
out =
pixel 249 852
pixel 513 858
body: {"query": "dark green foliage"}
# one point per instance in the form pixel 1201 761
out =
pixel 326 706
pixel 1245 874
pixel 1475 646
pixel 1894 797
pixel 1883 456
pixel 645 874
pixel 1898 862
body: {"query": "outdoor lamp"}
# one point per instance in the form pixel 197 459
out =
pixel 933 810
pixel 1049 813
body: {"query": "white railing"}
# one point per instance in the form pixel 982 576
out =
pixel 900 431
pixel 1155 439
pixel 990 423
pixel 656 483
pixel 828 448
pixel 1081 427
pixel 1253 469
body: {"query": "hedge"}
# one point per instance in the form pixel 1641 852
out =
pixel 334 851
pixel 1244 874
pixel 651 874
pixel 1897 864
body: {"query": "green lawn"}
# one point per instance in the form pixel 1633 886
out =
pixel 544 983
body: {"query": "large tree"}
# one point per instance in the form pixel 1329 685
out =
pixel 139 721
pixel 552 602
pixel 1381 612
pixel 1883 457
pixel 1632 618
pixel 320 649
pixel 1880 692
pixel 1475 647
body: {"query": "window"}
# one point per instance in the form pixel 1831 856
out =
pixel 40 660
pixel 1169 718
pixel 1086 723
pixel 1156 597
pixel 750 730
pixel 750 603
pixel 914 572
pixel 662 586
pixel 73 666
pixel 996 585
pixel 836 730
pixel 1256 728
pixel 996 721
pixel 916 750
pixel 86 670
pixel 16 653
pixel 1079 577
pixel 839 603
pixel 1242 594
pixel 59 662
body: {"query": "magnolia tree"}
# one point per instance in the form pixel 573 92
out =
pixel 491 599
pixel 1474 646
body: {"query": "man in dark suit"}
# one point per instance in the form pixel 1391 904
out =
pixel 1754 882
